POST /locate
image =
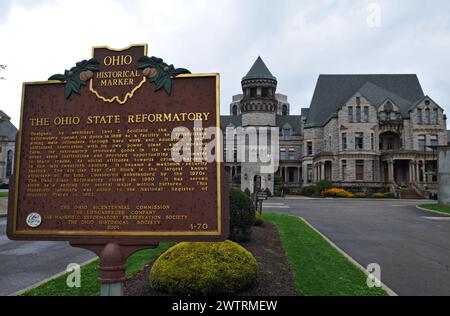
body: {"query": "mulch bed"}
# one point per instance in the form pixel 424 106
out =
pixel 276 277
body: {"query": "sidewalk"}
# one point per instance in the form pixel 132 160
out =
pixel 3 206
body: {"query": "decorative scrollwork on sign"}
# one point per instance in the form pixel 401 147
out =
pixel 159 73
pixel 77 76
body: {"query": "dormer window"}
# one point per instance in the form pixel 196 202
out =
pixel 427 116
pixel 358 114
pixel 285 110
pixel 235 110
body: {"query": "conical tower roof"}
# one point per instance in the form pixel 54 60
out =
pixel 259 70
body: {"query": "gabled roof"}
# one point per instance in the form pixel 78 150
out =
pixel 332 91
pixel 259 70
pixel 293 120
pixel 7 129
pixel 420 100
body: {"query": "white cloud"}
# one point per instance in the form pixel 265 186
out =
pixel 298 40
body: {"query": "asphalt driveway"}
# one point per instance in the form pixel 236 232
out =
pixel 24 263
pixel 411 246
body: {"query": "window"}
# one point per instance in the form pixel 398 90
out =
pixel 309 148
pixel 427 116
pixel 372 141
pixel 9 161
pixel 350 114
pixel 359 141
pixel 435 117
pixel 344 141
pixel 309 174
pixel 344 169
pixel 422 142
pixel 265 92
pixel 358 114
pixel 291 154
pixel 383 116
pixel 366 114
pixel 285 110
pixel 253 92
pixel 282 154
pixel 373 171
pixel 359 170
pixel 419 116
pixel 434 140
pixel 287 133
pixel 235 110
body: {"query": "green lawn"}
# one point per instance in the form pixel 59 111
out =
pixel 437 207
pixel 89 275
pixel 319 268
pixel 4 194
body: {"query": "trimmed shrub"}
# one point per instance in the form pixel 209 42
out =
pixel 389 195
pixel 247 192
pixel 335 192
pixel 360 195
pixel 258 219
pixel 378 195
pixel 242 216
pixel 204 269
pixel 324 185
pixel 309 191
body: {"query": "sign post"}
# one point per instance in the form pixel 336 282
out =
pixel 98 159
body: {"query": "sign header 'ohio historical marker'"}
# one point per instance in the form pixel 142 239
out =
pixel 94 160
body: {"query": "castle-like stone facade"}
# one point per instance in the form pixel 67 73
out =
pixel 360 131
pixel 8 134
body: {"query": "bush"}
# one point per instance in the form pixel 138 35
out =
pixel 360 195
pixel 378 195
pixel 242 216
pixel 247 192
pixel 258 219
pixel 237 179
pixel 269 194
pixel 335 192
pixel 389 195
pixel 204 269
pixel 324 185
pixel 309 191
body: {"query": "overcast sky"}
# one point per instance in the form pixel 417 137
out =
pixel 298 40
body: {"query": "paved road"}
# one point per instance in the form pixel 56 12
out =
pixel 26 263
pixel 411 246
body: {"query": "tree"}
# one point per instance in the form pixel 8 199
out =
pixel 2 67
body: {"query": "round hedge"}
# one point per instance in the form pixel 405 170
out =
pixel 204 269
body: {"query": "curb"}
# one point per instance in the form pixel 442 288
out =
pixel 31 287
pixel 432 211
pixel 388 290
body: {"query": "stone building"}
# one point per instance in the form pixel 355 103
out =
pixel 365 132
pixel 7 146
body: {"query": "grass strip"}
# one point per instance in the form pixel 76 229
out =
pixel 320 270
pixel 89 275
pixel 436 207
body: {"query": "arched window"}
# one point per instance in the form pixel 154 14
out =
pixel 235 110
pixel 427 116
pixel 9 161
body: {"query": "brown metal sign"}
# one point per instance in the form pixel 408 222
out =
pixel 94 158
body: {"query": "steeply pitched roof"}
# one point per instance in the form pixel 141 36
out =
pixel 259 70
pixel 226 120
pixel 293 120
pixel 332 91
pixel 7 129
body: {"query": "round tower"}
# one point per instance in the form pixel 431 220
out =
pixel 259 108
pixel 259 104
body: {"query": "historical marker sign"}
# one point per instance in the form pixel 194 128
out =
pixel 94 154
